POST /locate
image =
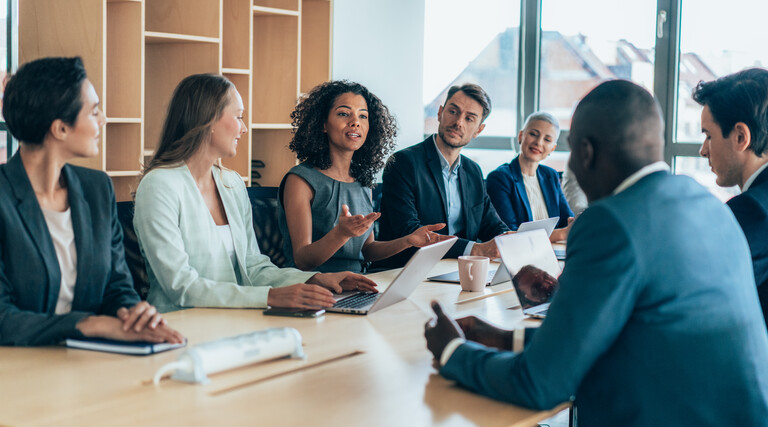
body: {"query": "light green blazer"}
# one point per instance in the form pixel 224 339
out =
pixel 186 261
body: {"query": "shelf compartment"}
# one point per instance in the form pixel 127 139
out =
pixel 315 43
pixel 154 37
pixel 271 126
pixel 166 65
pixel 192 17
pixel 125 186
pixel 124 53
pixel 236 34
pixel 290 5
pixel 271 147
pixel 123 149
pixel 275 68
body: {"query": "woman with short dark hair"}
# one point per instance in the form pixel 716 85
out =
pixel 62 266
pixel 342 136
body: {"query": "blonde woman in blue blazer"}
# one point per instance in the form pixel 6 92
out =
pixel 193 217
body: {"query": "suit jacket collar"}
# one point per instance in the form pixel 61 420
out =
pixel 550 197
pixel 517 179
pixel 82 226
pixel 761 175
pixel 32 216
pixel 436 170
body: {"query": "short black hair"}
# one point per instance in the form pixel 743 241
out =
pixel 739 97
pixel 40 92
pixel 475 92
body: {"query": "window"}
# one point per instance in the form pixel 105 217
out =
pixel 6 50
pixel 709 51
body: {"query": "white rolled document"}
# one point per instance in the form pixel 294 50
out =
pixel 195 364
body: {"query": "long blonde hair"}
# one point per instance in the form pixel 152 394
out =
pixel 197 103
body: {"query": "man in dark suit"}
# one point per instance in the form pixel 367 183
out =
pixel 735 122
pixel 656 321
pixel 432 182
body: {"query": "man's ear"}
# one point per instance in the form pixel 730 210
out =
pixel 59 130
pixel 479 129
pixel 586 153
pixel 742 136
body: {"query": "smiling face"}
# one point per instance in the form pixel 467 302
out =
pixel 720 151
pixel 347 122
pixel 460 120
pixel 82 138
pixel 537 141
pixel 226 132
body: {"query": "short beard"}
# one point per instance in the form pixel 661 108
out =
pixel 441 134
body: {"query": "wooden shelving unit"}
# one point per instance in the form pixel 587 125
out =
pixel 137 51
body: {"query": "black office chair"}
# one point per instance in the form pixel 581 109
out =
pixel 264 204
pixel 132 252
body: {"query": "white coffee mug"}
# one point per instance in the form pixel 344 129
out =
pixel 473 272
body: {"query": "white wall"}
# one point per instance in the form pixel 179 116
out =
pixel 379 44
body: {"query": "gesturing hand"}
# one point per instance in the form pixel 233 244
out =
pixel 488 249
pixel 343 281
pixel 355 225
pixel 301 295
pixel 440 331
pixel 426 235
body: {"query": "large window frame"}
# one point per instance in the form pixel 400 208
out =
pixel 666 69
pixel 12 61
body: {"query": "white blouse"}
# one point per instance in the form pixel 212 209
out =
pixel 63 236
pixel 535 197
pixel 225 235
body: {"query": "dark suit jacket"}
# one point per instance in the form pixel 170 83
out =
pixel 751 210
pixel 656 321
pixel 507 192
pixel 29 269
pixel 413 195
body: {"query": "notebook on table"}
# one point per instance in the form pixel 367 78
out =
pixel 122 347
pixel 535 287
pixel 414 272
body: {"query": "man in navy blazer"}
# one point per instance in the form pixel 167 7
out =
pixel 431 183
pixel 656 320
pixel 735 122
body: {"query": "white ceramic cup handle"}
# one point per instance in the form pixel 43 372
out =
pixel 469 271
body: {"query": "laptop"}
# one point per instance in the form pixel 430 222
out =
pixel 414 272
pixel 521 251
pixel 495 276
pixel 547 225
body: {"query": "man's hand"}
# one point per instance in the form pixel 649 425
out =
pixel 440 331
pixel 140 316
pixel 561 234
pixel 343 281
pixel 355 225
pixel 487 249
pixel 482 332
pixel 112 328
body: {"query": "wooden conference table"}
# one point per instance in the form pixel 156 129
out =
pixel 370 370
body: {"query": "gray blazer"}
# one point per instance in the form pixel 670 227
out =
pixel 29 269
pixel 187 264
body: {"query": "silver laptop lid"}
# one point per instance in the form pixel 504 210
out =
pixel 518 252
pixel 415 271
pixel 547 225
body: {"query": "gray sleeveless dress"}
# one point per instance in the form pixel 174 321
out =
pixel 326 208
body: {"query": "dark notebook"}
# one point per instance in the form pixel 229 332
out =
pixel 122 347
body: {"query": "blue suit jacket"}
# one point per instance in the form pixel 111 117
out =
pixel 413 195
pixel 507 192
pixel 656 321
pixel 29 269
pixel 751 210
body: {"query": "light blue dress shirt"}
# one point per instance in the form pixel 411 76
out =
pixel 456 220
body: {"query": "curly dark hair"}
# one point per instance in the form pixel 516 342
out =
pixel 311 144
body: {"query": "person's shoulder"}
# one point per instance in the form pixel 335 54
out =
pixel 162 179
pixel 471 166
pixel 406 159
pixel 90 178
pixel 230 178
pixel 549 171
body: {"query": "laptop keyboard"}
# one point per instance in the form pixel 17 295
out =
pixel 359 300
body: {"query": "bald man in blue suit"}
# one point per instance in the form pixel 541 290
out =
pixel 656 321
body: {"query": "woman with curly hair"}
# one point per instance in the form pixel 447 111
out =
pixel 342 134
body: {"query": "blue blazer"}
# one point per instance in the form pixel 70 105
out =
pixel 507 192
pixel 656 321
pixel 413 195
pixel 751 210
pixel 29 269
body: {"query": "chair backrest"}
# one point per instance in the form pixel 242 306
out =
pixel 264 204
pixel 132 252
